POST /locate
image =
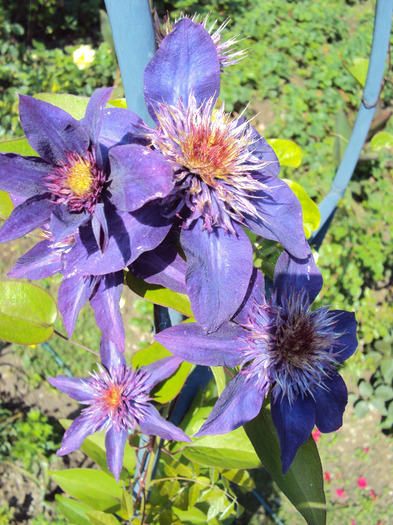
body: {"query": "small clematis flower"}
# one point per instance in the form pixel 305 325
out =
pixel 224 175
pixel 284 348
pixel 118 402
pixel 73 185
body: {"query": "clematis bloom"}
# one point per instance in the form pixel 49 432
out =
pixel 283 348
pixel 118 402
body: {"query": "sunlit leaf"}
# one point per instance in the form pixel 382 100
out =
pixel 93 487
pixel 6 205
pixel 27 313
pixel 20 146
pixel 119 103
pixel 382 140
pixel 311 214
pixel 219 377
pixel 342 136
pixel 172 386
pixel 74 105
pixel 159 295
pixel 101 518
pixel 287 151
pixel 359 70
pixel 75 511
pixel 303 483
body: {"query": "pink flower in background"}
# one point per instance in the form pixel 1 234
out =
pixel 373 495
pixel 353 522
pixel 340 493
pixel 366 450
pixel 328 477
pixel 362 483
pixel 315 434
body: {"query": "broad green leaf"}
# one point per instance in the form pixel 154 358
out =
pixel 382 140
pixel 288 152
pixel 172 386
pixel 231 451
pixel 101 518
pixel 190 516
pixel 127 505
pixel 20 146
pixel 303 483
pixel 6 205
pixel 219 377
pixel 240 477
pixel 359 70
pixel 159 295
pixel 75 511
pixel 74 105
pixel 94 447
pixel 119 103
pixel 342 136
pixel 93 487
pixel 311 214
pixel 27 313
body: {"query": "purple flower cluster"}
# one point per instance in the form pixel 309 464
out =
pixel 110 192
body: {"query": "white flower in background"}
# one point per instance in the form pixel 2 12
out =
pixel 83 56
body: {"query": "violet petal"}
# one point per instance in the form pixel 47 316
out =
pixel 114 444
pixel 331 398
pixel 23 175
pixel 76 434
pixel 110 356
pixel 64 223
pixel 39 262
pixel 74 293
pixel 161 369
pixel 75 387
pixel 254 295
pixel 154 424
pixel 345 324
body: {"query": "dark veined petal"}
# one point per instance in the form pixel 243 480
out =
pixel 110 356
pixel 106 304
pixel 115 441
pixel 28 216
pixel 345 324
pixel 294 424
pixel 219 348
pixel 51 131
pixel 161 369
pixel 162 266
pixel 154 424
pixel 254 295
pixel 76 434
pixel 292 274
pixel 138 175
pixel 23 175
pixel 39 262
pixel 64 223
pixel 239 403
pixel 280 217
pixel 74 293
pixel 130 234
pixel 219 268
pixel 186 62
pixel 75 387
pixel 331 398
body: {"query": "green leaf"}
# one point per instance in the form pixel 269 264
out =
pixel 119 103
pixel 231 451
pixel 311 214
pixel 27 313
pixel 20 146
pixel 94 447
pixel 127 505
pixel 191 516
pixel 361 408
pixel 101 518
pixel 382 140
pixel 387 369
pixel 172 386
pixel 359 70
pixel 303 483
pixel 240 477
pixel 74 105
pixel 6 205
pixel 342 136
pixel 219 377
pixel 384 392
pixel 365 388
pixel 106 31
pixel 93 487
pixel 75 511
pixel 287 151
pixel 159 295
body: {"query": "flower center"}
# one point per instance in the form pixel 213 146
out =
pixel 80 178
pixel 77 182
pixel 113 397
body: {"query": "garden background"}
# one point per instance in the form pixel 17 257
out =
pixel 302 80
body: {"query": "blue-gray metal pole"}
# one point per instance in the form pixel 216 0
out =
pixel 379 50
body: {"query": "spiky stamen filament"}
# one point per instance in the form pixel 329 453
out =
pixel 77 182
pixel 212 161
pixel 118 400
pixel 225 55
pixel 291 349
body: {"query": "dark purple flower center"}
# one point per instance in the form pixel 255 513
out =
pixel 118 399
pixel 77 182
pixel 290 348
pixel 212 162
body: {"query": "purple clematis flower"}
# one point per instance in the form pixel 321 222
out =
pixel 118 402
pixel 73 185
pixel 224 175
pixel 282 347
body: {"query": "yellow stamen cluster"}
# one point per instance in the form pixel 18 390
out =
pixel 80 178
pixel 113 397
